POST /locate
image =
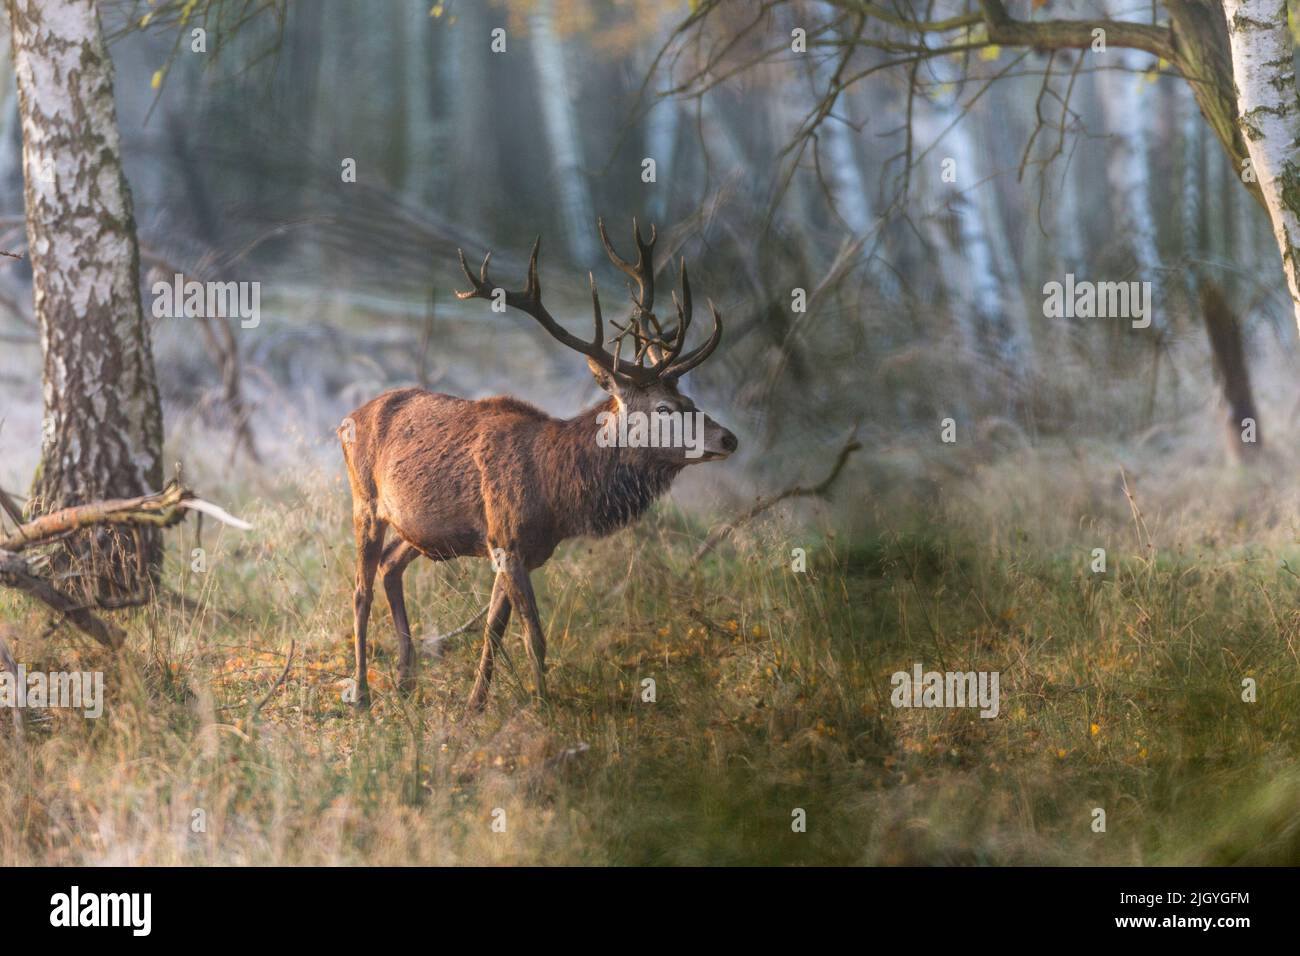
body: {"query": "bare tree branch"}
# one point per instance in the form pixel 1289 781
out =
pixel 819 490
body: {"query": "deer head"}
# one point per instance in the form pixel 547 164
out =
pixel 645 388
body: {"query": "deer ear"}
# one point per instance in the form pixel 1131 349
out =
pixel 603 378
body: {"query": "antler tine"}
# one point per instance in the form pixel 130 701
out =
pixel 598 339
pixel 532 287
pixel 671 348
pixel 696 356
pixel 464 266
pixel 684 310
pixel 530 301
pixel 642 272
pixel 647 334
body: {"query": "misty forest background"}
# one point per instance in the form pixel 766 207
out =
pixel 924 301
pixel 926 295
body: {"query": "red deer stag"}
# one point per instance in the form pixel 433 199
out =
pixel 498 478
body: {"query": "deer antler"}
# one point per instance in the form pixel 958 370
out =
pixel 669 362
pixel 663 349
pixel 530 301
pixel 649 339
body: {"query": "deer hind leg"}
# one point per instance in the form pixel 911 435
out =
pixel 392 566
pixel 370 546
pixel 498 619
pixel 520 589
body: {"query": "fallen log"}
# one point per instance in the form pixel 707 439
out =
pixel 162 510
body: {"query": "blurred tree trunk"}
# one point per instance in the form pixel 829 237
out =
pixel 102 430
pixel 9 169
pixel 1244 439
pixel 841 169
pixel 418 78
pixel 1001 323
pixel 837 160
pixel 465 78
pixel 1193 164
pixel 1126 97
pixel 662 124
pixel 562 134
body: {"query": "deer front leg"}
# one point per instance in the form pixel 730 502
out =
pixel 498 619
pixel 520 589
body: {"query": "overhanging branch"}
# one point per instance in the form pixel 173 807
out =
pixel 1074 34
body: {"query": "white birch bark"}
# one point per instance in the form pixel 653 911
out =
pixel 1264 74
pixel 102 428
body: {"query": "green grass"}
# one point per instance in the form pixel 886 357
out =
pixel 1120 691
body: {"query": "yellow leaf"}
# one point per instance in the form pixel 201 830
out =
pixel 991 52
pixel 436 10
pixel 155 81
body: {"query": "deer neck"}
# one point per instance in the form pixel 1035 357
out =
pixel 600 490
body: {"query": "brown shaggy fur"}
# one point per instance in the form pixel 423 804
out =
pixel 491 478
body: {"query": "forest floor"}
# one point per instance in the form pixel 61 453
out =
pixel 1120 690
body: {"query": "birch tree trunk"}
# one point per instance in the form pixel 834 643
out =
pixel 1264 74
pixel 1190 209
pixel 997 309
pixel 1126 97
pixel 661 144
pixel 9 169
pixel 102 427
pixel 562 134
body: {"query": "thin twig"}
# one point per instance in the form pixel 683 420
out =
pixel 819 490
pixel 434 644
pixel 274 687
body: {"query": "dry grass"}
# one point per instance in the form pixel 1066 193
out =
pixel 1119 691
